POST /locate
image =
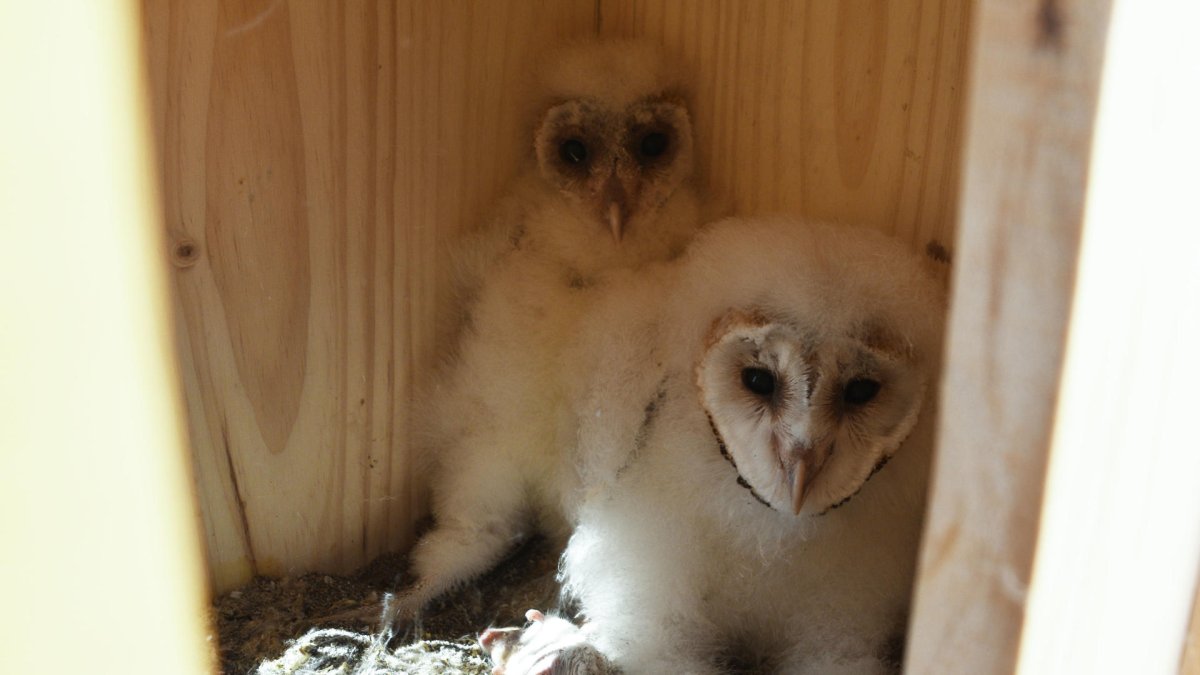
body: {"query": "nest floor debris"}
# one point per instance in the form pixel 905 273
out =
pixel 256 623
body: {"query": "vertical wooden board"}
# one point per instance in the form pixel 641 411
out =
pixel 1119 544
pixel 847 111
pixel 1190 662
pixel 97 516
pixel 313 157
pixel 1035 78
pixel 178 38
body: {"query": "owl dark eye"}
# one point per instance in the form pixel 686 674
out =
pixel 759 381
pixel 573 151
pixel 859 391
pixel 654 144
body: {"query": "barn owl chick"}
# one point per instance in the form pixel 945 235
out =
pixel 754 450
pixel 607 187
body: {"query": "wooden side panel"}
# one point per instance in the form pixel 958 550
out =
pixel 100 566
pixel 313 157
pixel 1190 663
pixel 1115 572
pixel 1035 81
pixel 844 110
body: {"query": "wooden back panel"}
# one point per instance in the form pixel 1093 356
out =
pixel 314 155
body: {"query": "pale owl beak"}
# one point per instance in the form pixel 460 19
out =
pixel 614 204
pixel 808 464
pixel 614 220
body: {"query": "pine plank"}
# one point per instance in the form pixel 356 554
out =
pixel 1035 81
pixel 1118 548
pixel 98 521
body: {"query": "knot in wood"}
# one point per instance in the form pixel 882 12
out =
pixel 184 253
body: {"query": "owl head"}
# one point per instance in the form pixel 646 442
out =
pixel 613 132
pixel 820 353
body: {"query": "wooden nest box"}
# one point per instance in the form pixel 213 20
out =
pixel 301 163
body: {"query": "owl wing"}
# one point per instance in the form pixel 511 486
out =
pixel 620 375
pixel 466 261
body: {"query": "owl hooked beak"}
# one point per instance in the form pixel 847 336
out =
pixel 614 221
pixel 807 462
pixel 615 197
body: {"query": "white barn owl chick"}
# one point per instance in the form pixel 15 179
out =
pixel 608 186
pixel 734 443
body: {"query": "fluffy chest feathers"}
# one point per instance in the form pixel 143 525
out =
pixel 681 473
pixel 510 361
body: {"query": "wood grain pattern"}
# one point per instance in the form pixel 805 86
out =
pixel 847 111
pixel 313 158
pixel 256 224
pixel 1036 77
